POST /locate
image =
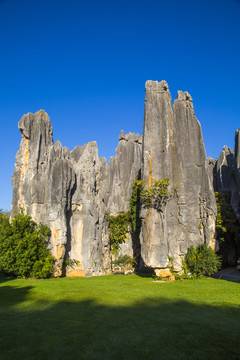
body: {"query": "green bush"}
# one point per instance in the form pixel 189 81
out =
pixel 71 263
pixel 124 261
pixel 202 260
pixel 23 247
pixel 155 196
pixel 119 226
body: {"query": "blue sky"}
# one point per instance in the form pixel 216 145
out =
pixel 86 63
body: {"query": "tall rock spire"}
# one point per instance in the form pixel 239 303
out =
pixel 73 192
pixel 29 179
pixel 173 148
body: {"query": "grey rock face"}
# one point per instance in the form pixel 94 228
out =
pixel 124 168
pixel 72 192
pixel 226 174
pixel 173 148
pixel 43 180
pixel 30 188
pixel 224 168
pixel 88 230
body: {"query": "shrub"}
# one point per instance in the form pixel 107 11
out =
pixel 23 247
pixel 157 195
pixel 71 263
pixel 124 261
pixel 202 260
pixel 119 226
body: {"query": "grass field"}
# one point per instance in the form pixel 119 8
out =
pixel 119 317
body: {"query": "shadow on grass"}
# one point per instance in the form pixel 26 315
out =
pixel 4 278
pixel 11 296
pixel 150 329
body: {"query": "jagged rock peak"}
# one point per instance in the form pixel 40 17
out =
pixel 155 86
pixel 130 137
pixel 58 144
pixel 38 120
pixel 186 98
pixel 173 148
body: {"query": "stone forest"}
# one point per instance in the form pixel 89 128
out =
pixel 155 198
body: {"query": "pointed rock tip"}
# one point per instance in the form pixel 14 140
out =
pixel 184 96
pixel 121 135
pixel 42 113
pixel 58 144
pixel 155 85
pixel 130 137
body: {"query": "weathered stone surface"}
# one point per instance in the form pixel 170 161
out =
pixel 72 192
pixel 226 175
pixel 224 169
pixel 88 229
pixel 173 148
pixel 163 273
pixel 30 187
pixel 124 168
pixel 211 170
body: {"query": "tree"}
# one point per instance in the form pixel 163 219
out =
pixel 24 247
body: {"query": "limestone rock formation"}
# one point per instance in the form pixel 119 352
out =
pixel 30 189
pixel 226 180
pixel 226 174
pixel 74 191
pixel 173 148
pixel 124 168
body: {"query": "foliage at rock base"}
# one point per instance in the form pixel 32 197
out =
pixel 124 262
pixel 24 247
pixel 202 260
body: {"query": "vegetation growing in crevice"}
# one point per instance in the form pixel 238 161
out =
pixel 135 206
pixel 119 226
pixel 71 263
pixel 155 196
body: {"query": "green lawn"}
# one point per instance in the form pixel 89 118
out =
pixel 119 317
